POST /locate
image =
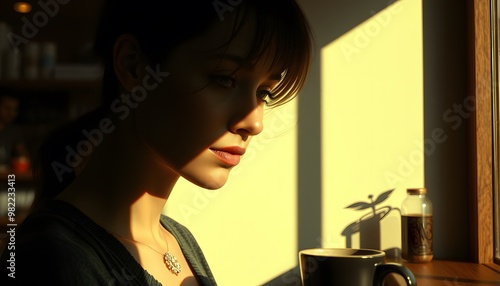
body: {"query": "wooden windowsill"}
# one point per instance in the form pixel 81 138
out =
pixel 495 267
pixel 454 273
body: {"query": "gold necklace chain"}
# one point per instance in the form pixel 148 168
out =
pixel 170 260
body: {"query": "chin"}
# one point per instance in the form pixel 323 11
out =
pixel 208 182
pixel 208 185
pixel 207 174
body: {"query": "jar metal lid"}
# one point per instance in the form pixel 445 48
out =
pixel 417 191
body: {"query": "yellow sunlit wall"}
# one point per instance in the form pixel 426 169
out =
pixel 372 121
pixel 248 228
pixel 372 129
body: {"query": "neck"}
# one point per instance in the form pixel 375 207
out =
pixel 123 187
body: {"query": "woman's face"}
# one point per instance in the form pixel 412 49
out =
pixel 200 119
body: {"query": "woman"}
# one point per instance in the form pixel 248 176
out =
pixel 184 92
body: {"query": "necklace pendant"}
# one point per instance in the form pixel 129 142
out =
pixel 172 263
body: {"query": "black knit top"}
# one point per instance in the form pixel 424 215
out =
pixel 59 245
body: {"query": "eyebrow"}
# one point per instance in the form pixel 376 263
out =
pixel 242 61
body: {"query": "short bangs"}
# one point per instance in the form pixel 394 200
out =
pixel 282 32
pixel 282 27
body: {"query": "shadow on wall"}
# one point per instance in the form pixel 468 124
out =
pixel 368 226
pixel 329 19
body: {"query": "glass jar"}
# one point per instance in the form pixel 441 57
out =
pixel 416 226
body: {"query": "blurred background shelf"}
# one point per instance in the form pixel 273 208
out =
pixel 43 85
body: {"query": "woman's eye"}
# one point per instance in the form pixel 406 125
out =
pixel 225 81
pixel 265 95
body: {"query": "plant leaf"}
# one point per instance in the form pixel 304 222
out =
pixel 383 196
pixel 359 206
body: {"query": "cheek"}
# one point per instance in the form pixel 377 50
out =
pixel 177 126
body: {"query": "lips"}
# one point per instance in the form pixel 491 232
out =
pixel 229 155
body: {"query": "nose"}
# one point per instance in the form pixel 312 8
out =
pixel 248 122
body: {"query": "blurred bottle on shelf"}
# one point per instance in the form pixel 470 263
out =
pixel 48 59
pixel 30 60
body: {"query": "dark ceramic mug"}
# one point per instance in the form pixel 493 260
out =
pixel 348 267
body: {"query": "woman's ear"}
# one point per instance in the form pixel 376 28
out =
pixel 128 61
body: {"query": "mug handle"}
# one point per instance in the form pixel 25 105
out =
pixel 383 269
